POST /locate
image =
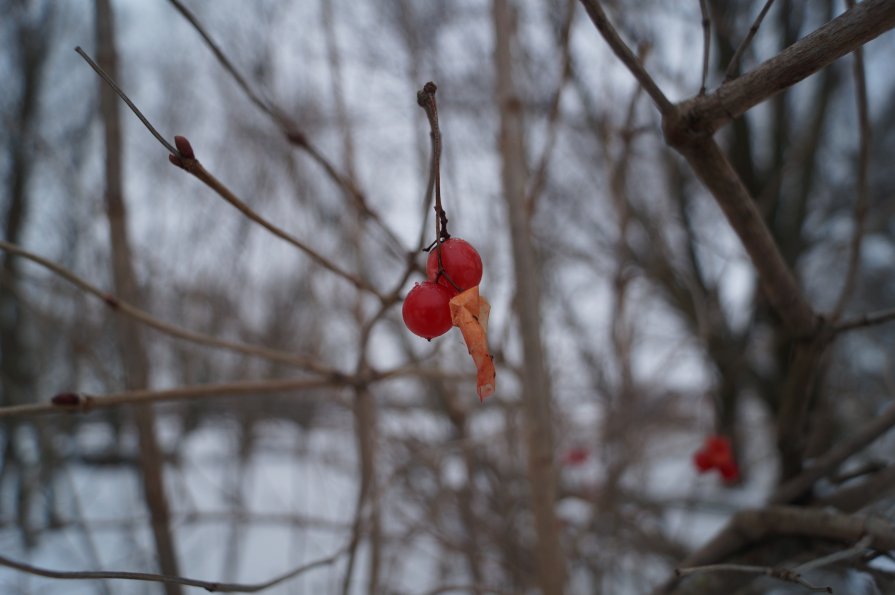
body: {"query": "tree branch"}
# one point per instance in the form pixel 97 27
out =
pixel 183 157
pixel 841 36
pixel 862 189
pixel 706 42
pixel 212 587
pixel 82 402
pixel 827 463
pixel 288 126
pixel 192 165
pixel 628 58
pixel 734 64
pixel 143 317
pixel 865 320
pixel 783 292
pixel 751 526
pixel 783 574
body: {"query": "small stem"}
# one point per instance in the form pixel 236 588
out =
pixel 734 64
pixel 425 97
pixel 706 42
pixel 127 100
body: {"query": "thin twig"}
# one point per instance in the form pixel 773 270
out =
pixel 624 53
pixel 190 164
pixel 853 552
pixel 288 126
pixel 844 34
pixel 706 42
pixel 734 64
pixel 425 97
pixel 828 462
pixel 712 166
pixel 82 402
pixel 862 189
pixel 210 586
pixel 865 320
pixel 782 574
pixel 778 573
pixel 751 526
pixel 858 494
pixel 468 589
pixel 127 100
pixel 262 104
pixel 194 167
pixel 141 316
pixel 539 175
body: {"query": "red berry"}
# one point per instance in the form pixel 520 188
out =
pixel 460 262
pixel 576 456
pixel 729 470
pixel 427 310
pixel 719 446
pixel 703 461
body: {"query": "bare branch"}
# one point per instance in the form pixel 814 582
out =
pixel 539 175
pixel 751 526
pixel 82 402
pixel 778 282
pixel 841 36
pixel 128 101
pixel 706 42
pixel 827 463
pixel 862 189
pixel 624 53
pixel 187 161
pixel 254 97
pixel 784 574
pixel 193 166
pixel 425 97
pixel 289 127
pixel 865 320
pixel 143 317
pixel 734 64
pixel 212 587
pixel 467 589
pixel 853 552
pixel 857 495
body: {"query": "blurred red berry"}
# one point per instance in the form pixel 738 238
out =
pixel 703 461
pixel 729 470
pixel 719 446
pixel 575 456
pixel 717 453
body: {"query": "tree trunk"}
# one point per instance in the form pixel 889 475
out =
pixel 17 367
pixel 535 383
pixel 130 342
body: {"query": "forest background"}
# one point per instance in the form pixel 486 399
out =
pixel 702 249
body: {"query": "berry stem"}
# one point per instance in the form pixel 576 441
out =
pixel 425 97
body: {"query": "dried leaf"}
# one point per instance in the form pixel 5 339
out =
pixel 469 312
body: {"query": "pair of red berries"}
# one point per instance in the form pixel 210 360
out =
pixel 426 310
pixel 717 454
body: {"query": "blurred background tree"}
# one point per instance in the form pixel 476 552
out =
pixel 628 322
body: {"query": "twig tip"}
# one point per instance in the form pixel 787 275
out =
pixel 184 146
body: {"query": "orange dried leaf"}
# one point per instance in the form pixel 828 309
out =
pixel 469 312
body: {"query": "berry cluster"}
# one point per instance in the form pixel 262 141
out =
pixel 717 453
pixel 575 456
pixel 453 266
